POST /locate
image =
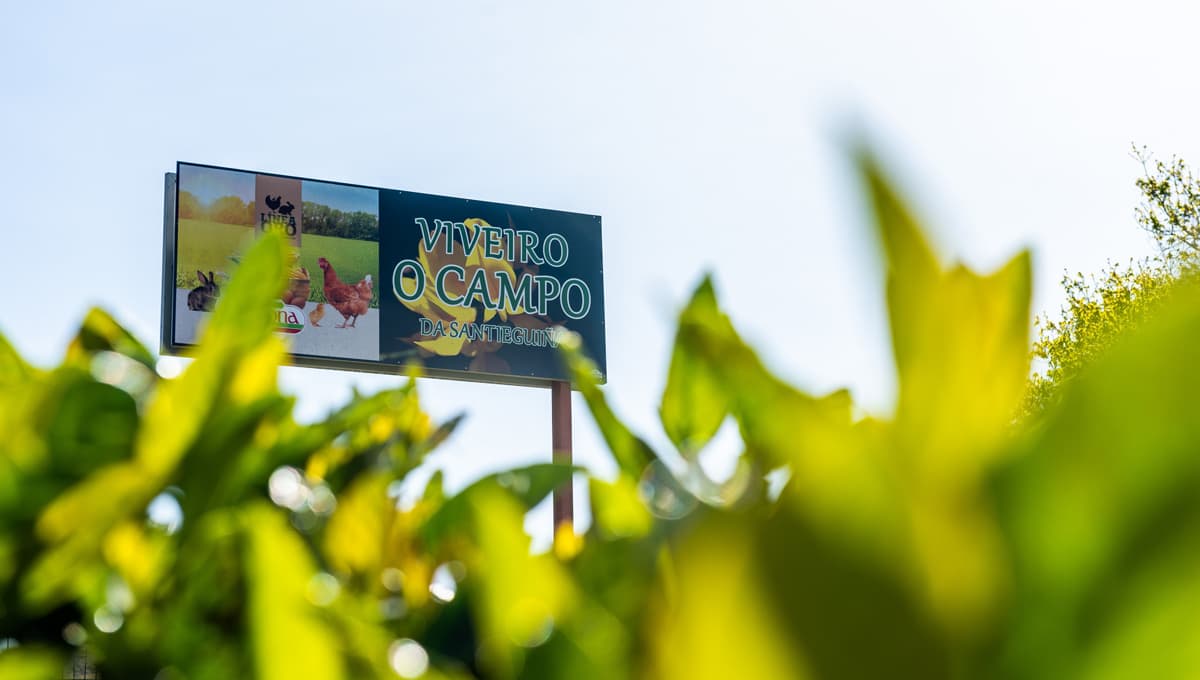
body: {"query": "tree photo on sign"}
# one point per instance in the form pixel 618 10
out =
pixel 192 527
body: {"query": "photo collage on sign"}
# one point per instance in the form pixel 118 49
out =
pixel 330 307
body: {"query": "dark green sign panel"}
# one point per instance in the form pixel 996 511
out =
pixel 469 289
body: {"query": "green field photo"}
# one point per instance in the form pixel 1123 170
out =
pixel 208 247
pixel 212 246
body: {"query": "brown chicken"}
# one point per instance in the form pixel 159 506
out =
pixel 298 288
pixel 344 297
pixel 365 288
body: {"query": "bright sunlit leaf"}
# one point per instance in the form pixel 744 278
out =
pixel 101 332
pixel 523 597
pixel 288 638
pixel 31 663
pixel 695 402
pixel 617 509
pixel 719 624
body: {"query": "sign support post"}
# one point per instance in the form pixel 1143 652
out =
pixel 560 423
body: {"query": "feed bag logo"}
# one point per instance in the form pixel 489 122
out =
pixel 289 319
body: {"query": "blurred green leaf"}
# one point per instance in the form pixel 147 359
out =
pixel 357 535
pixel 288 637
pixel 435 492
pixel 717 622
pixel 528 485
pixel 235 362
pixel 522 596
pixel 617 510
pixel 94 425
pixel 961 344
pixel 31 663
pixel 13 369
pixel 838 476
pixel 100 332
pixel 631 453
pixel 695 402
pixel 441 434
pixel 961 341
pixel 831 601
pixel 719 360
pixel 74 527
pixel 1102 511
pixel 388 429
pixel 139 555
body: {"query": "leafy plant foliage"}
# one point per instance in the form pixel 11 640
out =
pixel 1099 308
pixel 939 542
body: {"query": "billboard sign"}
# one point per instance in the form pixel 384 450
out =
pixel 469 289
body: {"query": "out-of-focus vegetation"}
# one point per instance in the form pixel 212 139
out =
pixel 1101 307
pixel 939 542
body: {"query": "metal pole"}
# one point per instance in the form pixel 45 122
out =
pixel 560 423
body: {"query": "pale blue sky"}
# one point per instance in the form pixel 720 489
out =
pixel 209 184
pixel 341 197
pixel 711 126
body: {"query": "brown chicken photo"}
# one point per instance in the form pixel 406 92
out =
pixel 345 298
pixel 365 288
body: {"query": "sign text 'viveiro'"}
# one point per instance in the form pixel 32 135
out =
pixel 531 292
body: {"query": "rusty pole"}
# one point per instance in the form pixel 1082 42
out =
pixel 560 424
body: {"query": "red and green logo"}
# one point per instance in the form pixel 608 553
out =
pixel 289 319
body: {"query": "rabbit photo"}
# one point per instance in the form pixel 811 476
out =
pixel 203 297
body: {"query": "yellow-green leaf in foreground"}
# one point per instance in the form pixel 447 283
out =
pixel 961 340
pixel 695 401
pixel 1102 510
pixel 528 485
pixel 74 527
pixel 837 472
pixel 30 663
pixel 357 533
pixel 631 452
pixel 100 332
pixel 288 637
pixel 719 623
pixel 617 510
pixel 241 324
pixel 522 597
pixel 13 368
pixel 961 344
